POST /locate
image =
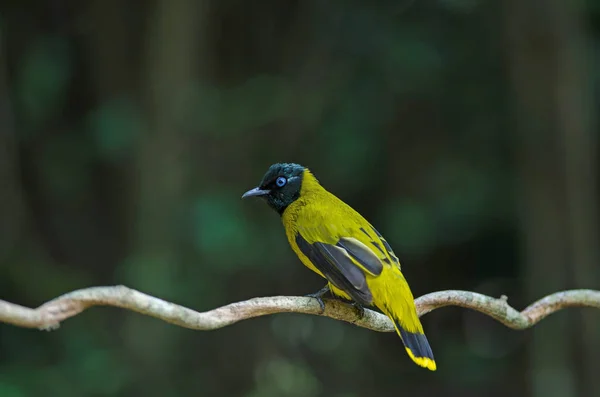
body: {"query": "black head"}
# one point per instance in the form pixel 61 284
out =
pixel 280 186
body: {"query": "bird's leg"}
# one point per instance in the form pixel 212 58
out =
pixel 360 309
pixel 319 295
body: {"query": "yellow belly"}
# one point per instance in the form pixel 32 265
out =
pixel 338 292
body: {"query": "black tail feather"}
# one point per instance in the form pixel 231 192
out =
pixel 417 347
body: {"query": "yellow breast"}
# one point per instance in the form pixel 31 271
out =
pixel 319 215
pixel 297 212
pixel 305 213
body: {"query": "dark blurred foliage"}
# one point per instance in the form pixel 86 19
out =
pixel 463 129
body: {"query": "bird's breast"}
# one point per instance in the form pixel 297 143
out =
pixel 295 218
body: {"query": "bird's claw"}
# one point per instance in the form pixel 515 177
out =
pixel 319 295
pixel 321 303
pixel 360 310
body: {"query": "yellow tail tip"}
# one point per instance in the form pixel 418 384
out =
pixel 424 362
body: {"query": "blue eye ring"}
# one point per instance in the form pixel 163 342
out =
pixel 281 181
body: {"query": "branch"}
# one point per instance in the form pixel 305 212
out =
pixel 50 314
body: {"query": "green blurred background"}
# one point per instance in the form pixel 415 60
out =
pixel 465 130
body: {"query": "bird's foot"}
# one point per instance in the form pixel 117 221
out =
pixel 319 296
pixel 360 310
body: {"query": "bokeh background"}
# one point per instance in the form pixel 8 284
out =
pixel 465 130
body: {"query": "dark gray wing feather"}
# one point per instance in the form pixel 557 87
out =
pixel 338 268
pixel 362 254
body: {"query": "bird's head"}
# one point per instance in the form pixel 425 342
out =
pixel 280 186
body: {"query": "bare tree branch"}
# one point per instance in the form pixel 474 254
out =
pixel 50 314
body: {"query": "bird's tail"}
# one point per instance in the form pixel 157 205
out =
pixel 417 346
pixel 400 308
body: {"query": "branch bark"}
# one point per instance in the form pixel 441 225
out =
pixel 50 314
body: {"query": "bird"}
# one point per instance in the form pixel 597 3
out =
pixel 336 242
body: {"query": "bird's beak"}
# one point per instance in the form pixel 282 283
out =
pixel 255 192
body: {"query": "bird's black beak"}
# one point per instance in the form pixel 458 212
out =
pixel 255 192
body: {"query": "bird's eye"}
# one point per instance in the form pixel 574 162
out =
pixel 281 181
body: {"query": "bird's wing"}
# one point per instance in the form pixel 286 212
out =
pixel 376 239
pixel 346 254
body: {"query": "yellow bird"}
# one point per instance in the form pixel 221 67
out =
pixel 337 243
